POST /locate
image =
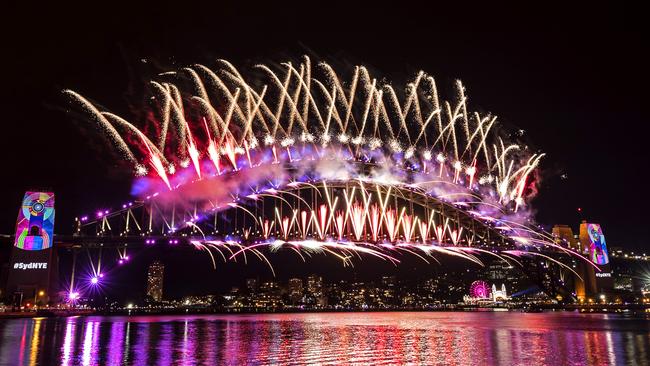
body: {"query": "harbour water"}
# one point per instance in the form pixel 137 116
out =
pixel 418 338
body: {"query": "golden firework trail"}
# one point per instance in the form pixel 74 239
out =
pixel 305 126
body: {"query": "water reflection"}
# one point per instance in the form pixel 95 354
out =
pixel 365 338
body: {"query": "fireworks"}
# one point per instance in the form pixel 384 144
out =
pixel 217 115
pixel 348 167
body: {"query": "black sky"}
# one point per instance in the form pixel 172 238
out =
pixel 574 79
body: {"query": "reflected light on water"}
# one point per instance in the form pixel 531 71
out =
pixel 116 343
pixel 36 335
pixel 68 341
pixel 330 338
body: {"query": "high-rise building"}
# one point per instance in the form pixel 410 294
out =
pixel 252 285
pixel 389 290
pixel 315 285
pixel 155 280
pixel 501 271
pixel 315 293
pixel 295 290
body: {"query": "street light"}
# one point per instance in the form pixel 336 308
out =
pixel 40 293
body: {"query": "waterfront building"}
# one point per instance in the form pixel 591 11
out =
pixel 499 295
pixel 269 296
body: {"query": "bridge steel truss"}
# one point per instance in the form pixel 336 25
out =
pixel 156 220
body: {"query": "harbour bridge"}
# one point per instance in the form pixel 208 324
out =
pixel 299 159
pixel 349 219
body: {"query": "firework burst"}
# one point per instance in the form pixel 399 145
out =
pixel 350 166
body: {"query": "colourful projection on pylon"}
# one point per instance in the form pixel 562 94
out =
pixel 35 224
pixel 597 246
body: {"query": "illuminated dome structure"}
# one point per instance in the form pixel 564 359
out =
pixel 499 295
pixel 295 157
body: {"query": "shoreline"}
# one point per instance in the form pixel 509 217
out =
pixel 627 309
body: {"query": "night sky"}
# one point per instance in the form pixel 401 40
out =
pixel 574 79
